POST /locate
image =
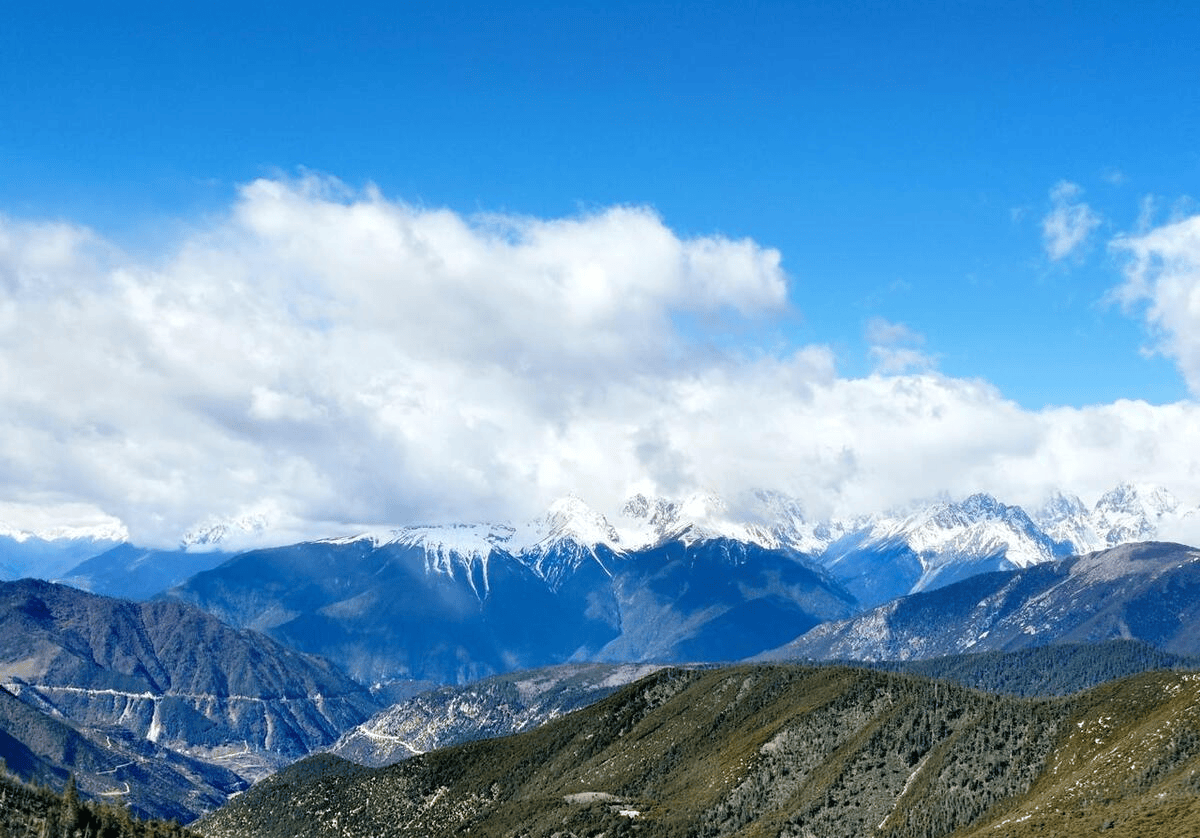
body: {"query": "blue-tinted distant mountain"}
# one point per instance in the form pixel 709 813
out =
pixel 171 674
pixel 439 604
pixel 130 572
pixel 716 600
pixel 453 604
pixel 48 555
pixel 1148 592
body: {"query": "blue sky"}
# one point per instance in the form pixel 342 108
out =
pixel 904 159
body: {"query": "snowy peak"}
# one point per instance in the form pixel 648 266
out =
pixel 239 530
pixel 702 516
pixel 976 527
pixel 569 536
pixel 571 521
pixel 110 531
pixel 1133 512
pixel 1130 512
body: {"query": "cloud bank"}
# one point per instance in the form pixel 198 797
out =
pixel 329 358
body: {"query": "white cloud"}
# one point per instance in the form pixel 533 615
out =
pixel 1163 273
pixel 1069 223
pixel 340 358
pixel 894 349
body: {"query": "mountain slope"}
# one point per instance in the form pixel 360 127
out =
pixel 1149 592
pixel 452 607
pixel 30 810
pixel 403 609
pixel 110 765
pixel 169 673
pixel 771 751
pixel 716 600
pixel 130 572
pixel 496 706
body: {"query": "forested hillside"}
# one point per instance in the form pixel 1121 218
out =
pixel 770 751
pixel 38 812
pixel 1060 669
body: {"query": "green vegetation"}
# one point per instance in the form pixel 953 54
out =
pixel 1060 669
pixel 779 750
pixel 29 811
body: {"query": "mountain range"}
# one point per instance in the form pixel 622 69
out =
pixel 452 606
pixel 924 546
pixel 1148 591
pixel 496 706
pixel 253 659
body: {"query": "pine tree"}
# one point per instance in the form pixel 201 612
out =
pixel 70 808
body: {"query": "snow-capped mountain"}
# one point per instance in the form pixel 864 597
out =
pixel 936 545
pixel 454 603
pixel 1128 513
pixel 50 552
pixel 1146 591
pixel 701 516
pixel 223 532
pixel 569 537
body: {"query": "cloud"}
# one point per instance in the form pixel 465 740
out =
pixel 1162 274
pixel 341 359
pixel 894 347
pixel 1069 223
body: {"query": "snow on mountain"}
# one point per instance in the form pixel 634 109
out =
pixel 1144 591
pixel 701 516
pixel 1133 512
pixel 48 552
pixel 1130 512
pixel 977 526
pixel 937 544
pixel 1065 518
pixel 570 535
pixel 222 532
pixel 113 531
pixel 496 706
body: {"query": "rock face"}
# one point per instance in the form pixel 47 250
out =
pixel 1148 592
pixel 171 674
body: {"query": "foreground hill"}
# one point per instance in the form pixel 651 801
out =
pixel 171 674
pixel 1148 592
pixel 793 751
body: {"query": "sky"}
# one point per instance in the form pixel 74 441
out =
pixel 379 264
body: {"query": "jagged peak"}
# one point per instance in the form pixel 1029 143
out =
pixel 1141 497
